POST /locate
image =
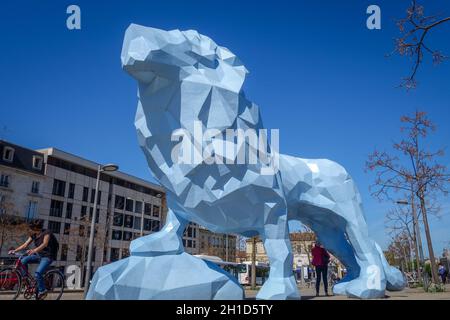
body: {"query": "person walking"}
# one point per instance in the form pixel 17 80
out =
pixel 320 261
pixel 443 273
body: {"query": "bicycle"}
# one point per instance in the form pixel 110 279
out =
pixel 17 278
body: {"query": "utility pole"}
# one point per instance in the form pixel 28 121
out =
pixel 418 250
pixel 434 273
pixel 253 278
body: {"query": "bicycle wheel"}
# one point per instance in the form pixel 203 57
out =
pixel 10 282
pixel 54 283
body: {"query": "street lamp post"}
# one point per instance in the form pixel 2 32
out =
pixel 253 277
pixel 100 168
pixel 226 247
pixel 142 218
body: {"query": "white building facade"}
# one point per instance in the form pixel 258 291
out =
pixel 59 188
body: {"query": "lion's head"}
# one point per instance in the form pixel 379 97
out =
pixel 150 54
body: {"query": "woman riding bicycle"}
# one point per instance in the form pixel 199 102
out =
pixel 44 253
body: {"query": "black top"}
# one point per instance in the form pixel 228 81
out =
pixel 51 250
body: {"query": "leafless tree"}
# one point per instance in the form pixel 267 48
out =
pixel 412 42
pixel 416 171
pixel 399 251
pixel 12 227
pixel 77 240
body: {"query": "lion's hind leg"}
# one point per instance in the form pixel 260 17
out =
pixel 330 231
pixel 329 198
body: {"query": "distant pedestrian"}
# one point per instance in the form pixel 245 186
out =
pixel 443 273
pixel 320 261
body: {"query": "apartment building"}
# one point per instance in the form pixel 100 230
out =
pixel 301 244
pixel 59 188
pixel 217 244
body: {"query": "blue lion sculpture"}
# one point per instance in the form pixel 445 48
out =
pixel 186 79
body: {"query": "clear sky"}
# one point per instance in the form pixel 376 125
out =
pixel 318 74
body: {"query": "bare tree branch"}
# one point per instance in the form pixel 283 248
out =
pixel 414 29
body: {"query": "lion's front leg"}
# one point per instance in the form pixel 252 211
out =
pixel 166 241
pixel 281 284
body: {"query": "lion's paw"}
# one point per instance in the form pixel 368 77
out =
pixel 279 289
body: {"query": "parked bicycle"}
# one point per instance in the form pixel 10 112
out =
pixel 17 280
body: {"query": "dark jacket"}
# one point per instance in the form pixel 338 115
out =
pixel 320 256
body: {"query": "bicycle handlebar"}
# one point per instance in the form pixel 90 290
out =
pixel 19 255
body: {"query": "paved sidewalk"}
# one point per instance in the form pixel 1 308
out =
pixel 309 294
pixel 406 294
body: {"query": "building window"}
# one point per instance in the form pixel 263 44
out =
pixel 71 193
pixel 128 221
pixel 115 254
pixel 79 253
pixel 56 208
pixel 97 215
pixel 83 212
pixel 129 205
pixel 119 202
pixel 54 226
pixel 125 253
pixel 59 187
pixel 147 208
pixel 138 207
pixel 116 235
pixel 189 232
pixel 2 200
pixel 99 196
pixel 32 210
pixel 64 250
pixel 155 225
pixel 67 228
pixel 35 187
pixel 69 207
pixel 85 194
pixel 118 219
pixel 4 181
pixel 127 235
pixel 37 162
pixel 155 211
pixel 137 223
pixel 147 224
pixel 8 154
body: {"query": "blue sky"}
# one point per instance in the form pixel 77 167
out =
pixel 316 71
